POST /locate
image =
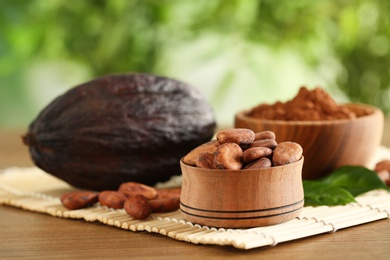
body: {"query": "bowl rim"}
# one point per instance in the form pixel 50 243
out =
pixel 374 111
pixel 243 170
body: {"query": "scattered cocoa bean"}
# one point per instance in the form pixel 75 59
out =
pixel 254 153
pixel 228 157
pixel 382 168
pixel 260 163
pixel 168 193
pixel 138 207
pixel 79 199
pixel 209 147
pixel 382 165
pixel 135 188
pixel 205 160
pixel 240 136
pixel 384 176
pixel 165 204
pixel 112 199
pixel 286 152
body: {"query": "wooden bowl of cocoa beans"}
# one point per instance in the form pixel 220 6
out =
pixel 350 135
pixel 242 181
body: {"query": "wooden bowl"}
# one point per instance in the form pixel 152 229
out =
pixel 241 198
pixel 326 145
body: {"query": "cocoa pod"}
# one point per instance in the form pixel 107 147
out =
pixel 120 128
pixel 134 188
pixel 138 207
pixel 286 152
pixel 79 199
pixel 112 199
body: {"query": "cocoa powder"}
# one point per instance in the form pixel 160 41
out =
pixel 307 105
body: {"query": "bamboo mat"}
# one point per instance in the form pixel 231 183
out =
pixel 34 190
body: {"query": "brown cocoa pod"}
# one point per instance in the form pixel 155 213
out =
pixel 270 143
pixel 209 147
pixel 260 163
pixel 228 157
pixel 79 199
pixel 135 188
pixel 240 136
pixel 255 153
pixel 382 165
pixel 265 135
pixel 112 199
pixel 138 207
pixel 165 204
pixel 286 152
pixel 168 193
pixel 205 160
pixel 120 128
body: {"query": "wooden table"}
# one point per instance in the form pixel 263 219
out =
pixel 33 235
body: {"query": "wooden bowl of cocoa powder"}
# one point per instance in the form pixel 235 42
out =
pixel 241 198
pixel 330 134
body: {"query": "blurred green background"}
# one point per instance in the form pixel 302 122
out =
pixel 237 53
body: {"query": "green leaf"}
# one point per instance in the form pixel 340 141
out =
pixel 355 179
pixel 320 193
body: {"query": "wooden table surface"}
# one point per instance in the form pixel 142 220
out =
pixel 32 235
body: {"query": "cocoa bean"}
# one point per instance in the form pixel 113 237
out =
pixel 270 143
pixel 135 188
pixel 168 193
pixel 260 163
pixel 286 152
pixel 382 165
pixel 138 207
pixel 384 176
pixel 79 199
pixel 228 157
pixel 165 204
pixel 254 153
pixel 265 135
pixel 209 147
pixel 205 160
pixel 240 136
pixel 112 199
